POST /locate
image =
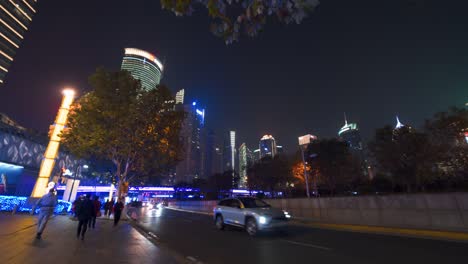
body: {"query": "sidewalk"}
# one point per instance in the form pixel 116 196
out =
pixel 105 244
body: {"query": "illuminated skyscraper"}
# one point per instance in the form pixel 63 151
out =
pixel 193 164
pixel 230 151
pixel 179 98
pixel 15 17
pixel 267 146
pixel 350 133
pixel 143 66
pixel 246 160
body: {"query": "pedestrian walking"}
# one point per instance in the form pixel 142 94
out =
pixel 110 208
pixel 84 212
pixel 106 207
pixel 118 207
pixel 47 205
pixel 96 212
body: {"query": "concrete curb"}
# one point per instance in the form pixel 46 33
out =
pixel 402 232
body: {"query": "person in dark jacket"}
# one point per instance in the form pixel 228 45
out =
pixel 96 212
pixel 106 207
pixel 118 207
pixel 84 212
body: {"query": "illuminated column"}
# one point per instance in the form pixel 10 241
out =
pixel 50 154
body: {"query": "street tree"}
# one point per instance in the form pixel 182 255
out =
pixel 235 17
pixel 270 174
pixel 332 164
pixel 406 154
pixel 447 132
pixel 135 129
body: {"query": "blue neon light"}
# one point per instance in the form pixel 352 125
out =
pixel 9 203
pixel 194 103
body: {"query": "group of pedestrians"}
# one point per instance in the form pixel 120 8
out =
pixel 85 209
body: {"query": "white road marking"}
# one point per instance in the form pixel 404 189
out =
pixel 194 260
pixel 306 245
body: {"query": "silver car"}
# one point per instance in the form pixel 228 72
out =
pixel 250 213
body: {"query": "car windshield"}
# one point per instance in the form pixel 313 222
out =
pixel 253 203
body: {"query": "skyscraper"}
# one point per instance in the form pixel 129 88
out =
pixel 230 152
pixel 350 133
pixel 245 161
pixel 143 66
pixel 193 164
pixel 179 98
pixel 267 146
pixel 15 17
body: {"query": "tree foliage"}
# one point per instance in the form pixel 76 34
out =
pixel 333 165
pixel 137 130
pixel 405 154
pixel 437 155
pixel 447 136
pixel 233 17
pixel 270 174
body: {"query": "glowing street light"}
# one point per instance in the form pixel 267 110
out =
pixel 47 165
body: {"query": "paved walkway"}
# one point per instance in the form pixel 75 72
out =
pixel 105 244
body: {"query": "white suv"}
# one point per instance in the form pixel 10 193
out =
pixel 250 213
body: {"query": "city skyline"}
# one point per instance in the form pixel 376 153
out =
pixel 374 64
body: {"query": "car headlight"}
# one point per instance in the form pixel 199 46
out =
pixel 286 214
pixel 262 220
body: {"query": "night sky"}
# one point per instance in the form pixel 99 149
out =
pixel 372 59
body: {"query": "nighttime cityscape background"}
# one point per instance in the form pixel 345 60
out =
pixel 324 131
pixel 371 60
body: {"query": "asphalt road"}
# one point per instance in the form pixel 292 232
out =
pixel 195 235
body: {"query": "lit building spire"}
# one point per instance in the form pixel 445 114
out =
pixel 345 119
pixel 399 124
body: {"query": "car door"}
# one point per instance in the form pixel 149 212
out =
pixel 236 214
pixel 226 210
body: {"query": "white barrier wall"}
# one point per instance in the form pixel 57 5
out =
pixel 445 211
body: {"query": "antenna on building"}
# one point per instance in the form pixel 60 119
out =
pixel 345 119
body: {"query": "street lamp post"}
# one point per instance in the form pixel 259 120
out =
pixel 306 175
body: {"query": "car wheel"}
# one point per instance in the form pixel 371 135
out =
pixel 219 222
pixel 251 227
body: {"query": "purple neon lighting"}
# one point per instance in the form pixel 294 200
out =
pixel 107 189
pixel 143 189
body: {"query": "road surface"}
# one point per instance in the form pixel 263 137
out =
pixel 195 236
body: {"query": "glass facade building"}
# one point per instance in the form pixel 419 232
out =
pixel 267 146
pixel 143 66
pixel 15 17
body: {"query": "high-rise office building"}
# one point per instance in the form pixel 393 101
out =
pixel 230 151
pixel 279 150
pixel 179 98
pixel 267 146
pixel 246 160
pixel 350 133
pixel 192 165
pixel 256 155
pixel 143 66
pixel 15 17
